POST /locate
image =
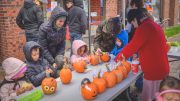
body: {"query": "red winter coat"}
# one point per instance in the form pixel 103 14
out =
pixel 150 43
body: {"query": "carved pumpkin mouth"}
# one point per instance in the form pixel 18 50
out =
pixel 94 96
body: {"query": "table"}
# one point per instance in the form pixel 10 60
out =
pixel 71 92
pixel 174 52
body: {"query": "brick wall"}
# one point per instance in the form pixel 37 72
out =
pixel 12 38
pixel 95 7
pixel 111 8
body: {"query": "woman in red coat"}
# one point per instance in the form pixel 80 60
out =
pixel 150 43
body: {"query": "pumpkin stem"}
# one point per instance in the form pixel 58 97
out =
pixel 107 67
pixel 84 80
pixel 99 76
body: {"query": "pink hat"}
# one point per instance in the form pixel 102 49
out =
pixel 159 97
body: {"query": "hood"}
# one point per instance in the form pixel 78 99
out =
pixel 76 45
pixel 123 36
pixel 79 3
pixel 12 66
pixel 56 13
pixel 27 50
pixel 28 3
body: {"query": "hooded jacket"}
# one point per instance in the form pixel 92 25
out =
pixel 8 87
pixel 51 39
pixel 123 36
pixel 36 69
pixel 106 34
pixel 30 17
pixel 75 46
pixel 77 18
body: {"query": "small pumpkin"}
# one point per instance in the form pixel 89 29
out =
pixel 105 57
pixel 100 83
pixel 94 59
pixel 119 74
pixel 123 69
pixel 88 89
pixel 127 65
pixel 79 66
pixel 49 85
pixel 110 78
pixel 65 74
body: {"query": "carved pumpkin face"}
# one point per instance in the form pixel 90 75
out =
pixel 105 57
pixel 49 85
pixel 88 89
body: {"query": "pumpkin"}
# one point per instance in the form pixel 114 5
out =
pixel 127 65
pixel 88 89
pixel 49 85
pixel 105 57
pixel 65 74
pixel 123 69
pixel 79 66
pixel 100 83
pixel 110 78
pixel 94 59
pixel 119 74
pixel 168 46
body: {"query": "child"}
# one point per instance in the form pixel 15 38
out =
pixel 79 49
pixel 169 89
pixel 121 41
pixel 37 67
pixel 14 82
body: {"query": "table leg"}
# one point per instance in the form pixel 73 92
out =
pixel 127 94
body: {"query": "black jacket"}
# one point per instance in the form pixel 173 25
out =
pixel 77 18
pixel 30 17
pixel 51 39
pixel 36 71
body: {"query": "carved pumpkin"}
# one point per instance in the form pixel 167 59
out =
pixel 88 89
pixel 100 83
pixel 123 69
pixel 94 59
pixel 105 57
pixel 119 74
pixel 49 85
pixel 127 65
pixel 65 74
pixel 79 66
pixel 110 78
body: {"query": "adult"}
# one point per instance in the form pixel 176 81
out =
pixel 52 37
pixel 30 18
pixel 150 43
pixel 77 19
pixel 104 39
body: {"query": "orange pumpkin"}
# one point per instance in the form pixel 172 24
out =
pixel 88 89
pixel 79 66
pixel 123 69
pixel 110 78
pixel 65 74
pixel 49 85
pixel 119 74
pixel 94 59
pixel 127 65
pixel 100 83
pixel 168 46
pixel 105 57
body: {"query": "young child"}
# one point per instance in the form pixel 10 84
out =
pixel 37 67
pixel 14 82
pixel 121 41
pixel 169 90
pixel 79 49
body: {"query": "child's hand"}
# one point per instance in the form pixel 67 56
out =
pixel 98 51
pixel 49 71
pixel 27 86
pixel 54 65
pixel 20 91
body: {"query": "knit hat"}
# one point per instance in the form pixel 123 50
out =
pixel 69 1
pixel 12 67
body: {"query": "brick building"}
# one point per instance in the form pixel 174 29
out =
pixel 12 38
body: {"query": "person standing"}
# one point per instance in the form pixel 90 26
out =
pixel 30 18
pixel 150 43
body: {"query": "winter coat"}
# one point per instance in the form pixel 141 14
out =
pixel 30 17
pixel 8 87
pixel 36 70
pixel 123 36
pixel 150 43
pixel 77 18
pixel 106 34
pixel 51 39
pixel 75 46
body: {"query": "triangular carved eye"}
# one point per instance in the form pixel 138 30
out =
pixel 46 88
pixel 52 89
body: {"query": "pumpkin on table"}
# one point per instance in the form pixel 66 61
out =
pixel 123 69
pixel 94 59
pixel 49 85
pixel 79 66
pixel 105 57
pixel 119 74
pixel 100 83
pixel 127 65
pixel 88 89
